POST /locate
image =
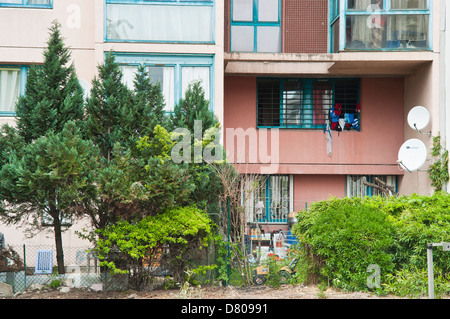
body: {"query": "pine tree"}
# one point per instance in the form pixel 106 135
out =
pixel 146 110
pixel 53 175
pixel 53 95
pixel 39 170
pixel 106 107
pixel 194 106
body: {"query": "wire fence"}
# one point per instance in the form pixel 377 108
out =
pixel 23 266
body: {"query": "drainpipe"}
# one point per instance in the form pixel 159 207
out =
pixel 443 78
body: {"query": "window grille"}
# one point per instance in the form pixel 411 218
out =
pixel 306 103
pixel 356 188
pixel 274 193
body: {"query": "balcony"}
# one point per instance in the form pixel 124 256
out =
pixel 388 25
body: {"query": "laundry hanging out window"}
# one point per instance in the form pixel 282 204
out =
pixel 308 103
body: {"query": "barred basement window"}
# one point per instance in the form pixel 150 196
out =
pixel 356 186
pixel 308 103
pixel 273 192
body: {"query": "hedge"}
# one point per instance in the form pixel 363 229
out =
pixel 346 236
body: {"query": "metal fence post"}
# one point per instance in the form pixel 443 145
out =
pixel 25 266
pixel 430 271
pixel 228 246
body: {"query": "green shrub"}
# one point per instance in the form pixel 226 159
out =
pixel 413 283
pixel 423 219
pixel 347 236
pixel 342 237
pixel 170 240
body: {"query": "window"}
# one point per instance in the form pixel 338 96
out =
pixel 160 21
pixel 174 74
pixel 255 26
pixel 356 185
pixel 12 85
pixel 308 103
pixel 27 3
pixel 275 194
pixel 381 25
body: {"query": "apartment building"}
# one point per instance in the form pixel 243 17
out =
pixel 179 41
pixel 314 94
pixel 332 82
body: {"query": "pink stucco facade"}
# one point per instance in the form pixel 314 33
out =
pixel 303 153
pixel 373 150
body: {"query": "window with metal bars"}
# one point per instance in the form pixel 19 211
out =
pixel 273 193
pixel 308 103
pixel 356 185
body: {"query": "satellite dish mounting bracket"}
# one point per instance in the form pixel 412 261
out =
pixel 415 127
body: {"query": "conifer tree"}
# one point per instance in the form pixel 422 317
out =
pixel 42 160
pixel 53 175
pixel 53 95
pixel 105 107
pixel 194 106
pixel 146 109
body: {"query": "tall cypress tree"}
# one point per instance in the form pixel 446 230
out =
pixel 194 106
pixel 53 95
pixel 144 111
pixel 105 107
pixel 148 108
pixel 53 101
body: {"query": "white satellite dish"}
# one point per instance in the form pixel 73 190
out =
pixel 412 155
pixel 418 118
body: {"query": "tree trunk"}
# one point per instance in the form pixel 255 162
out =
pixel 58 242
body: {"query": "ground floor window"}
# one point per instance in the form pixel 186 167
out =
pixel 370 185
pixel 268 198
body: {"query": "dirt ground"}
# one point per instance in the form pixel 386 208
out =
pixel 253 292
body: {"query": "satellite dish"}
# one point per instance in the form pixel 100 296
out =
pixel 412 155
pixel 418 118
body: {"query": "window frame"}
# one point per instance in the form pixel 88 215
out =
pixel 339 12
pixel 310 82
pixel 267 197
pixel 205 3
pixel 25 4
pixel 255 24
pixel 369 191
pixel 23 82
pixel 177 61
